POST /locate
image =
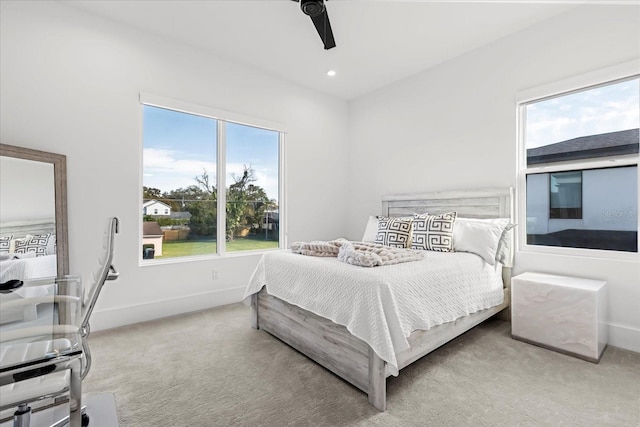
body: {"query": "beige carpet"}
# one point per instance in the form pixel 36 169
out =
pixel 211 369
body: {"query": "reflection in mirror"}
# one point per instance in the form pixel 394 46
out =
pixel 33 220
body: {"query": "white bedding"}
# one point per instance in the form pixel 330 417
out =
pixel 382 305
pixel 28 267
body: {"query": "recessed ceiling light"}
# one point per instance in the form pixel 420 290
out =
pixel 331 73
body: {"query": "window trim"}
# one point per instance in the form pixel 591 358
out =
pixel 221 117
pixel 620 72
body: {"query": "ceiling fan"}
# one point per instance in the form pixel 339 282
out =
pixel 317 11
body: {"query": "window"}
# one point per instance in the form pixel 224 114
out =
pixel 187 158
pixel 565 195
pixel 579 167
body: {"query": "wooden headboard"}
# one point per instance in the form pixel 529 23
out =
pixel 479 203
pixel 474 203
pixel 22 228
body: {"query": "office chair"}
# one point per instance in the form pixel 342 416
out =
pixel 31 389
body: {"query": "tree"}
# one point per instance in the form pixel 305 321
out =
pixel 200 201
pixel 237 202
pixel 203 182
pixel 151 193
pixel 245 207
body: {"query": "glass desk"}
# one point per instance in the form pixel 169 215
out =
pixel 40 336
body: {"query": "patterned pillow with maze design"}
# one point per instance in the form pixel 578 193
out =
pixel 394 232
pixel 433 232
pixel 5 244
pixel 36 244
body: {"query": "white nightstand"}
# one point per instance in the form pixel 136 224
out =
pixel 562 313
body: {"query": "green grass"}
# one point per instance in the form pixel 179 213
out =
pixel 180 248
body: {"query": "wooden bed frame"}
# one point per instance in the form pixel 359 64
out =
pixel 332 345
pixel 20 229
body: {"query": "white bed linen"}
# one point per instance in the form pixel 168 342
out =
pixel 382 305
pixel 28 268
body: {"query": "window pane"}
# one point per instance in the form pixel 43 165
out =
pixel 252 220
pixel 608 206
pixel 565 195
pixel 590 208
pixel 596 122
pixel 179 184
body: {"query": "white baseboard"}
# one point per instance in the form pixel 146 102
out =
pixel 624 337
pixel 120 316
pixel 619 336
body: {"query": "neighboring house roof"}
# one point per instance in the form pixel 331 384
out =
pixel 152 202
pixel 151 228
pixel 586 147
pixel 180 215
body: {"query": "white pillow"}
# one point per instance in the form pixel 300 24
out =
pixel 371 230
pixel 504 254
pixel 479 236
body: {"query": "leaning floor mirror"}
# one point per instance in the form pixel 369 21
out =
pixel 33 214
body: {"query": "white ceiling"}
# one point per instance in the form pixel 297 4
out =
pixel 378 42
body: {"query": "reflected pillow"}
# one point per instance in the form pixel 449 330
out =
pixel 33 244
pixel 433 232
pixel 5 244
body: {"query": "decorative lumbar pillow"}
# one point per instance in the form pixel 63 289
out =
pixel 36 244
pixel 5 244
pixel 394 232
pixel 480 236
pixel 433 232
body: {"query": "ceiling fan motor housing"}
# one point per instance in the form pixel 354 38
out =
pixel 312 7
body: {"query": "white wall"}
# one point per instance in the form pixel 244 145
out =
pixel 454 127
pixel 70 85
pixel 603 206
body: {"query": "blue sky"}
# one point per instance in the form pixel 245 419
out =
pixel 179 146
pixel 598 110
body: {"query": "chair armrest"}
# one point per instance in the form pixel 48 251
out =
pixel 37 331
pixel 18 303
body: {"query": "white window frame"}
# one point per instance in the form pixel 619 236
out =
pixel 221 116
pixel 624 71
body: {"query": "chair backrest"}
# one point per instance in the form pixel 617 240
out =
pixel 105 271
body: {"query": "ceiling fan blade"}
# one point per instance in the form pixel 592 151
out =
pixel 324 29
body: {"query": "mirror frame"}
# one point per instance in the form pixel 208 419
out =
pixel 59 162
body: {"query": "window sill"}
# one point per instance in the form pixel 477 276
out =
pixel 581 253
pixel 201 258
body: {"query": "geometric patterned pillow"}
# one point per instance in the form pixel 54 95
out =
pixel 36 244
pixel 394 232
pixel 5 244
pixel 433 232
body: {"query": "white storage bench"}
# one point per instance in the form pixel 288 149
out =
pixel 566 314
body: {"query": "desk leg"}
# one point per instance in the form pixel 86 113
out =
pixel 75 394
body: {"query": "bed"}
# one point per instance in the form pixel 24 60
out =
pixel 397 335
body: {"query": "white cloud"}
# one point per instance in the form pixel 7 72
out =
pixel 164 169
pixel 552 121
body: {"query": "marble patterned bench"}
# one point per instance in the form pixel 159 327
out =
pixel 562 313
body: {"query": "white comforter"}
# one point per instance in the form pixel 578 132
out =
pixel 28 267
pixel 382 305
